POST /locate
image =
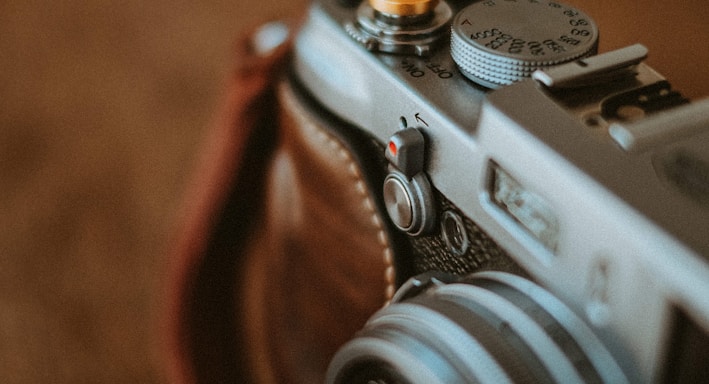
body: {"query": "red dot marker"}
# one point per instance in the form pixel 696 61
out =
pixel 392 148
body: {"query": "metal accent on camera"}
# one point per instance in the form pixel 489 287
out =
pixel 666 127
pixel 404 7
pixel 497 43
pixel 595 70
pixel 454 233
pixel 614 92
pixel 407 192
pixel 407 27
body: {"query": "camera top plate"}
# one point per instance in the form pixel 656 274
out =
pixel 430 93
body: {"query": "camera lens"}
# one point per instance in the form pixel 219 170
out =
pixel 490 327
pixel 372 372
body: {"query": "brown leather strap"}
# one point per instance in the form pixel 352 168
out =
pixel 199 327
pixel 283 254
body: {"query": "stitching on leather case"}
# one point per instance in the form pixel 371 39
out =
pixel 344 155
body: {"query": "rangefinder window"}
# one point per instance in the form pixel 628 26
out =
pixel 527 209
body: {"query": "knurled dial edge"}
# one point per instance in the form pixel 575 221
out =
pixel 498 42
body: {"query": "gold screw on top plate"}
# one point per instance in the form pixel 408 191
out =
pixel 403 7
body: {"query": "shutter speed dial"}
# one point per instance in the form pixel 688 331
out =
pixel 499 42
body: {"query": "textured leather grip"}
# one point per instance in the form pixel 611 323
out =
pixel 282 255
pixel 317 268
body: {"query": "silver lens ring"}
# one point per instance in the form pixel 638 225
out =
pixel 523 293
pixel 491 327
pixel 522 326
pixel 448 351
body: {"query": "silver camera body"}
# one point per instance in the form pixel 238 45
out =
pixel 603 204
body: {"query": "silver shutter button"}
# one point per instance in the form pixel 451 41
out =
pixel 398 203
pixel 407 191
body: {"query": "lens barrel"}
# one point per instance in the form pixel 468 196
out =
pixel 490 327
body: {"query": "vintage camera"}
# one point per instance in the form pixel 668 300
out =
pixel 554 203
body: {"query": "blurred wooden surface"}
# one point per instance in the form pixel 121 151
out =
pixel 675 32
pixel 102 107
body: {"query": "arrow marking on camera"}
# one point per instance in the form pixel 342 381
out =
pixel 418 118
